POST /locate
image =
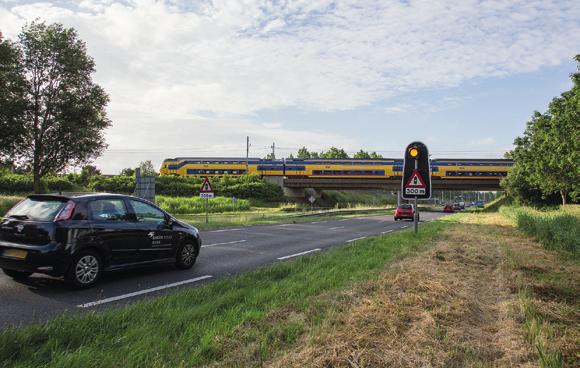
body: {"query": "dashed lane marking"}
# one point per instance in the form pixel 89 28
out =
pixel 141 292
pixel 355 239
pixel 226 243
pixel 299 254
pixel 336 228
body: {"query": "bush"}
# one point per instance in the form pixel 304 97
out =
pixel 22 183
pixel 191 205
pixel 112 184
pixel 556 229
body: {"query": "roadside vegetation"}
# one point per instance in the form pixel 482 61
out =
pixel 555 229
pixel 470 290
pixel 259 312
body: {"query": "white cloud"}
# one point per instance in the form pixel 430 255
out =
pixel 176 61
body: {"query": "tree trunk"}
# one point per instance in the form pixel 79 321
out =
pixel 564 195
pixel 36 183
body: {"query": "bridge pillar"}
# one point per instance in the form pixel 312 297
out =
pixel 294 193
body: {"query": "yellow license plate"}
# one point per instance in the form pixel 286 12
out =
pixel 15 253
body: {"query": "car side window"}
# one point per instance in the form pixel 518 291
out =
pixel 108 210
pixel 147 213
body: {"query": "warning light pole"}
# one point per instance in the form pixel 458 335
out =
pixel 416 182
pixel 416 213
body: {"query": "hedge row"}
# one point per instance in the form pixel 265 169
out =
pixel 241 187
pixel 17 183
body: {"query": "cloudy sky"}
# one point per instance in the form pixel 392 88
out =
pixel 194 78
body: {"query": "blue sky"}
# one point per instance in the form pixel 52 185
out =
pixel 194 78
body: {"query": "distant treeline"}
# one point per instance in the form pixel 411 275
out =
pixel 241 187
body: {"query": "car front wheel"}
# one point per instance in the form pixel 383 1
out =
pixel 16 275
pixel 85 270
pixel 186 256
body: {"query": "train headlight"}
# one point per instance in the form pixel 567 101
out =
pixel 414 152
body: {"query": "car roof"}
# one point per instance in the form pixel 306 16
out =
pixel 79 195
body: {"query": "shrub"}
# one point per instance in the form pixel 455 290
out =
pixel 191 205
pixel 555 229
pixel 22 183
pixel 112 184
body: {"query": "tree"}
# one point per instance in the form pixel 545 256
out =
pixel 334 152
pixel 547 157
pixel 147 168
pixel 361 155
pixel 87 172
pixel 128 171
pixel 375 155
pixel 55 112
pixel 303 154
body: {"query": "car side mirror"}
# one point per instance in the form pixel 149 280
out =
pixel 170 221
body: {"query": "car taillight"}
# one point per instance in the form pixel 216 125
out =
pixel 66 212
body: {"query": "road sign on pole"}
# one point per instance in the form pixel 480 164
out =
pixel 416 183
pixel 206 191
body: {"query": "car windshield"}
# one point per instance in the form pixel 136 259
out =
pixel 406 206
pixel 38 209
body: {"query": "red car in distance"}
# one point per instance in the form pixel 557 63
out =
pixel 404 211
pixel 448 209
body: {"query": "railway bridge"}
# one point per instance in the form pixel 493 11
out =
pixel 298 187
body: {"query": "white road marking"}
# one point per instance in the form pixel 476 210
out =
pixel 343 220
pixel 222 230
pixel 299 254
pixel 316 222
pixel 337 227
pixel 226 243
pixel 402 227
pixel 141 292
pixel 386 232
pixel 355 239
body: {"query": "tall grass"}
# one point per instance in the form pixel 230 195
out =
pixel 191 205
pixel 555 229
pixel 7 202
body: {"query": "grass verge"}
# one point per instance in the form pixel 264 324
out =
pixel 189 327
pixel 555 229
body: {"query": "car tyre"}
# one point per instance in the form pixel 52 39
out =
pixel 16 275
pixel 85 270
pixel 186 256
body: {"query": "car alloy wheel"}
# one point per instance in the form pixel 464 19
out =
pixel 87 269
pixel 186 256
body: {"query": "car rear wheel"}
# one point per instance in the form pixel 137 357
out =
pixel 186 256
pixel 16 275
pixel 85 270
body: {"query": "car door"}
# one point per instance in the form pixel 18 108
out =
pixel 112 226
pixel 157 240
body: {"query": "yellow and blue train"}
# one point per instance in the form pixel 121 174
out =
pixel 332 168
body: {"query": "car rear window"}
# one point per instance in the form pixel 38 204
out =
pixel 406 206
pixel 37 209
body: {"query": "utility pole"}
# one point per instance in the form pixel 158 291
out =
pixel 247 152
pixel 273 147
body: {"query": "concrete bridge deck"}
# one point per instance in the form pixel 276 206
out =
pixel 390 184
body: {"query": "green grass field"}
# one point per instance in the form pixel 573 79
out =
pixel 189 327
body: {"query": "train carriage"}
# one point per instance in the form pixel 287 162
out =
pixel 333 168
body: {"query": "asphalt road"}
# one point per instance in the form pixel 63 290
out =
pixel 225 252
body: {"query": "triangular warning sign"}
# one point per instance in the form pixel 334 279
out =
pixel 415 181
pixel 206 186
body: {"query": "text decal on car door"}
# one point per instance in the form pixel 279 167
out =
pixel 159 240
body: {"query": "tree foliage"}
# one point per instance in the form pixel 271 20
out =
pixel 366 155
pixel 147 168
pixel 52 114
pixel 547 156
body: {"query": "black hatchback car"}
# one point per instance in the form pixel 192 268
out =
pixel 82 235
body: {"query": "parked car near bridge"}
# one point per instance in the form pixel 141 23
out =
pixel 82 235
